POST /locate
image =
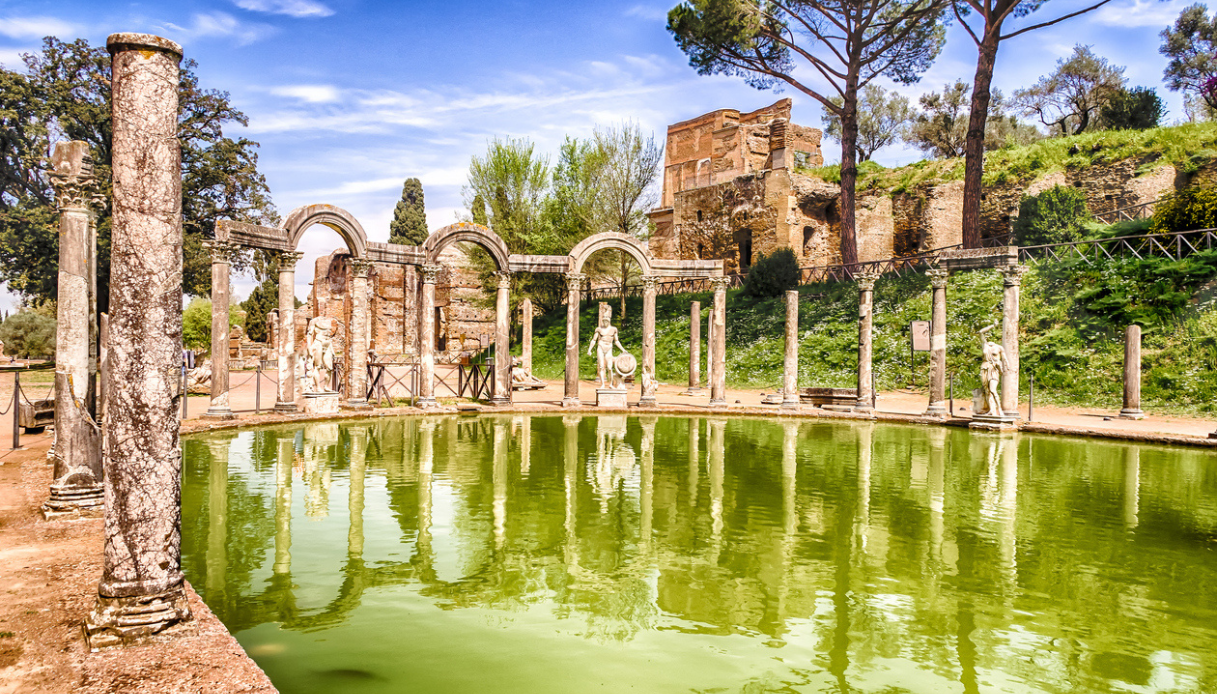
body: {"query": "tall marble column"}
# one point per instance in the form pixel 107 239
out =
pixel 790 370
pixel 694 349
pixel 526 341
pixel 1012 279
pixel 866 291
pixel 357 374
pixel 77 485
pixel 649 385
pixel 574 285
pixel 426 352
pixel 502 339
pixel 141 590
pixel 718 342
pixel 938 344
pixel 1132 374
pixel 285 402
pixel 221 260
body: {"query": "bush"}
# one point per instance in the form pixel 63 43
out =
pixel 28 334
pixel 1185 210
pixel 1056 215
pixel 771 275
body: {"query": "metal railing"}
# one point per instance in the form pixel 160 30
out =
pixel 1128 214
pixel 1173 245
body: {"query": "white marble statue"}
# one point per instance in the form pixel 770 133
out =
pixel 602 342
pixel 319 353
pixel 992 366
pixel 198 379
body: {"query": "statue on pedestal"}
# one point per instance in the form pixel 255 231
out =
pixel 603 341
pixel 319 353
pixel 992 366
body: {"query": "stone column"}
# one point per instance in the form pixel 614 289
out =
pixel 141 589
pixel 426 342
pixel 718 342
pixel 77 486
pixel 286 400
pixel 574 285
pixel 357 374
pixel 526 343
pixel 221 259
pixel 694 349
pixel 502 340
pixel 866 291
pixel 649 384
pixel 938 344
pixel 1132 374
pixel 1012 279
pixel 790 370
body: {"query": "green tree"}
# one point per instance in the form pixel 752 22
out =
pixel 1185 210
pixel 262 300
pixel 1056 215
pixel 477 211
pixel 1191 46
pixel 941 129
pixel 513 180
pixel 64 93
pixel 773 275
pixel 1139 108
pixel 1069 99
pixel 845 44
pixel 883 119
pixel 409 225
pixel 196 324
pixel 28 334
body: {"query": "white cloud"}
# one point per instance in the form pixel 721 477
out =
pixel 221 25
pixel 36 27
pixel 648 12
pixel 311 93
pixel 1139 13
pixel 293 8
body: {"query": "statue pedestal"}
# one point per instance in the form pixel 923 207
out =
pixel 611 397
pixel 986 422
pixel 321 403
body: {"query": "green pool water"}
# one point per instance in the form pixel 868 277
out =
pixel 665 554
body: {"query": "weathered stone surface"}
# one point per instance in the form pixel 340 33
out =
pixel 221 260
pixel 502 339
pixel 321 403
pixel 526 316
pixel 938 344
pixel 357 374
pixel 649 385
pixel 286 399
pixel 574 286
pixel 866 289
pixel 1132 374
pixel 790 370
pixel 694 349
pixel 718 350
pixel 1012 280
pixel 426 359
pixel 611 397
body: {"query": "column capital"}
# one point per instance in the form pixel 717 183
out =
pixel 430 273
pixel 938 277
pixel 502 279
pixel 1012 275
pixel 288 260
pixel 76 186
pixel 360 266
pixel 222 252
pixel 650 282
pixel 720 284
pixel 574 281
pixel 866 279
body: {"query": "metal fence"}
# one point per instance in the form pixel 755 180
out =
pixel 1173 245
pixel 388 381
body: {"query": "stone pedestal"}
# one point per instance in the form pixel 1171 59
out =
pixel 866 289
pixel 570 392
pixel 1132 374
pixel 718 343
pixel 141 591
pixel 938 345
pixel 426 352
pixel 285 402
pixel 1012 280
pixel 790 370
pixel 694 350
pixel 612 397
pixel 986 422
pixel 322 403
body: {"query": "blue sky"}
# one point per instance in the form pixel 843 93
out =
pixel 350 97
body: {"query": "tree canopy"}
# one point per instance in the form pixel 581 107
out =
pixel 409 225
pixel 1068 100
pixel 883 119
pixel 1191 45
pixel 1138 108
pixel 941 129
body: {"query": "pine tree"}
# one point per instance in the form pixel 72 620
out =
pixel 479 211
pixel 409 225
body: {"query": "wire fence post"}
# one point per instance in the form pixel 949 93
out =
pixel 1031 400
pixel 15 410
pixel 185 392
pixel 258 389
pixel 951 396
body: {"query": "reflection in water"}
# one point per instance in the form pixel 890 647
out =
pixel 808 556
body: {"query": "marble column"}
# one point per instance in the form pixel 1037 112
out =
pixel 1012 279
pixel 77 485
pixel 221 261
pixel 866 292
pixel 1132 374
pixel 285 402
pixel 790 367
pixel 574 285
pixel 141 589
pixel 938 344
pixel 694 349
pixel 357 374
pixel 718 342
pixel 426 351
pixel 502 339
pixel 526 342
pixel 649 384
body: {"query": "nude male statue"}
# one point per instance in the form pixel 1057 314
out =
pixel 603 341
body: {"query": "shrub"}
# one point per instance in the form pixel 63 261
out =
pixel 1056 215
pixel 1185 210
pixel 773 274
pixel 28 334
pixel 196 325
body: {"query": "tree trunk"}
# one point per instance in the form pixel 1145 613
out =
pixel 974 147
pixel 849 173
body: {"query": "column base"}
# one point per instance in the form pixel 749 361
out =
pixel 426 403
pixel 720 402
pixel 499 401
pixel 790 404
pixel 648 401
pixel 693 391
pixel 285 408
pixel 937 410
pixel 571 402
pixel 360 404
pixel 70 501
pixel 987 422
pixel 1131 414
pixel 221 414
pixel 864 406
pixel 129 620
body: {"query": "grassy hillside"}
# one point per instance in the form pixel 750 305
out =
pixel 1186 147
pixel 1072 324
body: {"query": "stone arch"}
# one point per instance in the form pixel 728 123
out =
pixel 611 240
pixel 333 217
pixel 467 232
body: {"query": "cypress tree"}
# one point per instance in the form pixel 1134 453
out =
pixel 409 225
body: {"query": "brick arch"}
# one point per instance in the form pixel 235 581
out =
pixel 333 217
pixel 467 232
pixel 609 240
